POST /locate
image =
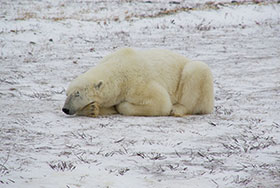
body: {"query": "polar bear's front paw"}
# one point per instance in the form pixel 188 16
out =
pixel 94 110
pixel 177 110
pixel 91 110
pixel 125 108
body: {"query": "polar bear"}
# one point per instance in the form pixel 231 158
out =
pixel 153 82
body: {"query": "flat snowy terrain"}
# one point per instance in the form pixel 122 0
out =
pixel 44 44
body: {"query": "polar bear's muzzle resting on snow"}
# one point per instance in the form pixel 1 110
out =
pixel 79 100
pixel 142 83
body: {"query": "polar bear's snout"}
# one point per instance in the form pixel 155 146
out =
pixel 75 102
pixel 66 111
pixel 68 107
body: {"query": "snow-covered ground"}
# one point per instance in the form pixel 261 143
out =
pixel 45 44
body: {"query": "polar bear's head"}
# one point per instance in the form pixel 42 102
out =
pixel 81 96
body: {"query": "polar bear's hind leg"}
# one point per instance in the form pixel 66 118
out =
pixel 196 90
pixel 154 100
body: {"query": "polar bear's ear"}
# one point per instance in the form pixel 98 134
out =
pixel 98 85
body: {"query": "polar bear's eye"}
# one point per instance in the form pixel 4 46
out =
pixel 77 94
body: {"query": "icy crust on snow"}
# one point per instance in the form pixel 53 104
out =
pixel 45 44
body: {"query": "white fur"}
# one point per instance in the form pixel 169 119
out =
pixel 145 82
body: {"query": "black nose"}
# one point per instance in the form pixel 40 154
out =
pixel 65 110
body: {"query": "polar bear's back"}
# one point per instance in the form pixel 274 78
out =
pixel 160 65
pixel 143 66
pixel 153 62
pixel 153 56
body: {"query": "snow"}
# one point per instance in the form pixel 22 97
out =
pixel 45 44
